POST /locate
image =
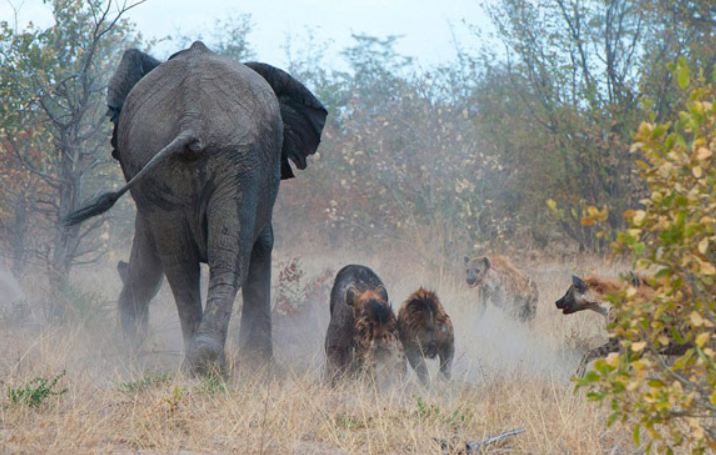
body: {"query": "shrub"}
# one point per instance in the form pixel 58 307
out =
pixel 672 236
pixel 149 381
pixel 294 292
pixel 36 392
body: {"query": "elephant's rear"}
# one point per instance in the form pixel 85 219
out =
pixel 233 113
pixel 201 141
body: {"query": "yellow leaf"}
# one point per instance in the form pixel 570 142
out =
pixel 698 433
pixel 696 319
pixel 639 216
pixel 638 346
pixel 612 359
pixel 645 128
pixel 703 245
pixel 708 268
pixel 634 232
pixel 702 339
pixel 697 171
pixel 636 146
pixel 552 204
pixel 703 153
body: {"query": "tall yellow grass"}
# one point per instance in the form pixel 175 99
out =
pixel 505 376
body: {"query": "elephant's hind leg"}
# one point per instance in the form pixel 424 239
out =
pixel 141 279
pixel 255 330
pixel 229 242
pixel 180 261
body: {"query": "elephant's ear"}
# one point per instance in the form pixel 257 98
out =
pixel 303 116
pixel 134 65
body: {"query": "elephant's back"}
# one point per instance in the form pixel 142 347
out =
pixel 225 103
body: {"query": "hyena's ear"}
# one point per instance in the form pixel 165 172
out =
pixel 351 295
pixel 579 283
pixel 466 259
pixel 383 292
pixel 486 262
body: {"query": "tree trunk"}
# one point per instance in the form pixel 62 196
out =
pixel 19 256
pixel 66 239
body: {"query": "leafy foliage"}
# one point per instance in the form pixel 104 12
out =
pixel 36 392
pixel 53 125
pixel 147 382
pixel 673 233
pixel 294 294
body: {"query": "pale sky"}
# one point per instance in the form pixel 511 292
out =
pixel 429 27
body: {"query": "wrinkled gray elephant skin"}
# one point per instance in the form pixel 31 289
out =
pixel 202 141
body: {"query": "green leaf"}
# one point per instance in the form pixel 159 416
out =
pixel 639 248
pixel 613 417
pixel 682 73
pixel 636 434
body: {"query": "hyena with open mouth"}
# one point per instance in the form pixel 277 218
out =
pixel 590 294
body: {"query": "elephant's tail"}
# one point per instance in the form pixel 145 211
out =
pixel 105 201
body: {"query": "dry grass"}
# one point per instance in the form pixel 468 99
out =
pixel 506 376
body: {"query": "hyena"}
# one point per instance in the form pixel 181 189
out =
pixel 589 294
pixel 426 332
pixel 502 285
pixel 363 330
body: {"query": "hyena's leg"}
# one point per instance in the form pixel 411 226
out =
pixel 602 351
pixel 674 349
pixel 446 354
pixel 417 361
pixel 338 354
pixel 482 299
pixel 529 308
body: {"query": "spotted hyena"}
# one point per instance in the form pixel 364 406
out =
pixel 590 293
pixel 426 332
pixel 363 331
pixel 501 284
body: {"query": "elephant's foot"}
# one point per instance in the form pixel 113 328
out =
pixel 205 357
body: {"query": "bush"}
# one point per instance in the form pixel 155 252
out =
pixel 36 392
pixel 672 236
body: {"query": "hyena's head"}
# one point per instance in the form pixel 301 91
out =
pixel 424 318
pixel 577 298
pixel 377 344
pixel 476 269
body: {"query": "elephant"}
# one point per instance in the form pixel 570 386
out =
pixel 203 142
